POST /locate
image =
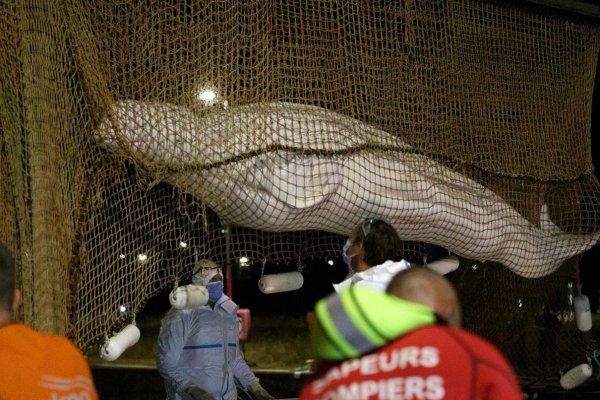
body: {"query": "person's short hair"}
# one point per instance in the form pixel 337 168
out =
pixel 380 242
pixel 7 278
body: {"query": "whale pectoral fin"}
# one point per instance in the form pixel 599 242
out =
pixel 300 181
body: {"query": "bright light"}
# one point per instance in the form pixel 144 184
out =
pixel 121 256
pixel 244 260
pixel 330 262
pixel 123 308
pixel 520 303
pixel 208 96
pixel 183 245
pixel 474 266
pixel 142 258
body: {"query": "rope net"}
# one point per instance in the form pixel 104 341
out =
pixel 140 136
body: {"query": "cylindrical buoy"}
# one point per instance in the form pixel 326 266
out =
pixel 575 376
pixel 188 297
pixel 116 345
pixel 284 282
pixel 583 315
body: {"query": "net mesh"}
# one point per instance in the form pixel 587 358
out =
pixel 269 129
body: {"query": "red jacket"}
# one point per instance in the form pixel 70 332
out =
pixel 433 362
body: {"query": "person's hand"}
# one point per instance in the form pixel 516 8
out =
pixel 193 392
pixel 258 392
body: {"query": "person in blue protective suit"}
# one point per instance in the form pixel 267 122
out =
pixel 198 351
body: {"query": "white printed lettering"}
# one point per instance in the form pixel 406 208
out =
pixel 349 366
pixel 368 389
pixel 430 357
pixel 409 356
pixel 84 395
pixel 394 388
pixel 329 396
pixel 408 388
pixel 413 387
pixel 369 364
pixel 351 392
pixel 388 361
pixel 435 387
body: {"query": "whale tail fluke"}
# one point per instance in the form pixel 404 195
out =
pixel 563 245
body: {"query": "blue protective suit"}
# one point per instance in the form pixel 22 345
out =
pixel 201 347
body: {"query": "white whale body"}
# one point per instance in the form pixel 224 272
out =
pixel 287 167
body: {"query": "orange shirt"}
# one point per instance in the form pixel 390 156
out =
pixel 40 366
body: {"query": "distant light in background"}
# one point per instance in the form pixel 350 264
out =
pixel 142 258
pixel 474 266
pixel 183 245
pixel 123 308
pixel 121 256
pixel 330 262
pixel 520 303
pixel 208 96
pixel 224 231
pixel 244 261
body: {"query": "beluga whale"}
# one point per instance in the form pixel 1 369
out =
pixel 280 166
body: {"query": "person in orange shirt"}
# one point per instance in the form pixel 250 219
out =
pixel 35 365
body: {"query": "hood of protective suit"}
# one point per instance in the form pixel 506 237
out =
pixel 204 271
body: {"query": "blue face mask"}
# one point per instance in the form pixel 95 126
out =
pixel 215 291
pixel 345 256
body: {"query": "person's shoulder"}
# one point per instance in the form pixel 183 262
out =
pixel 61 344
pixel 20 339
pixel 17 330
pixel 478 346
pixel 72 359
pixel 228 305
pixel 45 347
pixel 493 368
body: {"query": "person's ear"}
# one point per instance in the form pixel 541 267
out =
pixel 16 303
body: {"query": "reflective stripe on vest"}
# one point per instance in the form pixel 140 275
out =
pixel 346 328
pixel 358 320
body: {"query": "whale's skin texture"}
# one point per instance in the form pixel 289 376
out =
pixel 288 167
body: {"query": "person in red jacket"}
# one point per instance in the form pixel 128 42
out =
pixel 34 365
pixel 425 356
